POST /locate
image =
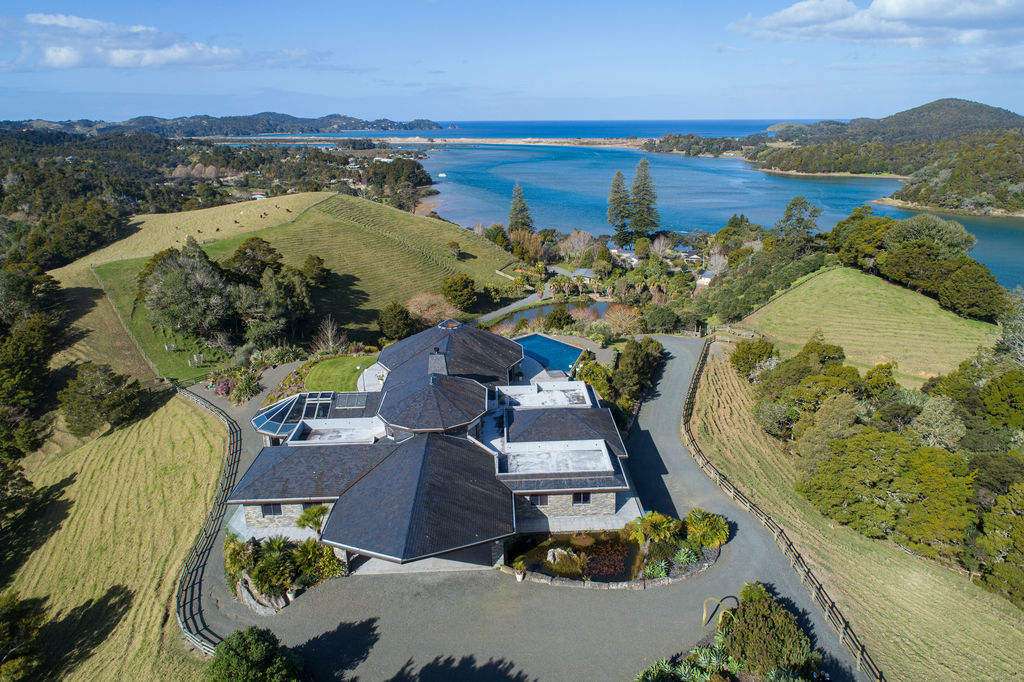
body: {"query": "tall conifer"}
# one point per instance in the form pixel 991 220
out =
pixel 519 215
pixel 643 214
pixel 618 210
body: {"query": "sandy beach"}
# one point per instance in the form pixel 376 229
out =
pixel 613 142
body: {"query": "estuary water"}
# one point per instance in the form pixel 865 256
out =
pixel 567 187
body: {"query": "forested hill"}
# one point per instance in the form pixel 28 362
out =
pixel 199 126
pixel 939 120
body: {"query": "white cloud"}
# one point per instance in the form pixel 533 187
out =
pixel 64 41
pixel 914 23
pixel 61 56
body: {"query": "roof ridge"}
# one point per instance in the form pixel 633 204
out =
pixel 416 495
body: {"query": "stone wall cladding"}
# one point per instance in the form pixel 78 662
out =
pixel 561 505
pixel 289 515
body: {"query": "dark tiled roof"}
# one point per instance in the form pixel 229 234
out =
pixel 308 472
pixel 564 423
pixel 435 493
pixel 433 402
pixel 468 351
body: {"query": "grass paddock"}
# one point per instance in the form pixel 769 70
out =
pixel 874 321
pixel 130 505
pixel 919 620
pixel 376 254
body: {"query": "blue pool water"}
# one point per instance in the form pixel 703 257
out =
pixel 551 354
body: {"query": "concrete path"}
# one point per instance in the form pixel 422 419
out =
pixel 482 625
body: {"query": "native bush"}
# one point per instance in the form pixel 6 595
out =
pixel 394 321
pixel 1003 399
pixel 558 318
pixel 459 290
pixel 763 636
pixel 98 395
pixel 749 354
pixel 252 655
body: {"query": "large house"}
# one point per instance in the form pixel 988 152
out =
pixel 459 442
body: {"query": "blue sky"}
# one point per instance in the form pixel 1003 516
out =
pixel 444 59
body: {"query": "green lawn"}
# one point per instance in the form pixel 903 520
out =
pixel 338 374
pixel 874 321
pixel 375 253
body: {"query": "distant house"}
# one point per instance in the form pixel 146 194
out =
pixel 624 256
pixel 257 196
pixel 585 274
pixel 705 278
pixel 452 456
pixel 383 159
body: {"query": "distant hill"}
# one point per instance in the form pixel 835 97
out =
pixel 938 120
pixel 267 122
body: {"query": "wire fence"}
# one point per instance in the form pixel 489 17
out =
pixel 864 662
pixel 189 596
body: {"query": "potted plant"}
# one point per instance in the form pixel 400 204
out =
pixel 519 566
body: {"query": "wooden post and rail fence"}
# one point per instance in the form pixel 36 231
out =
pixel 864 662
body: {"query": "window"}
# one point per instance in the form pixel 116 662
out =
pixel 539 500
pixel 307 505
pixel 581 498
pixel 270 509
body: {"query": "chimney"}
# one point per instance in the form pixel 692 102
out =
pixel 437 363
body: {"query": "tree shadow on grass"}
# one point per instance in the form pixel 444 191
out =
pixel 341 297
pixel 71 639
pixel 78 302
pixel 333 654
pixel 443 669
pixel 40 519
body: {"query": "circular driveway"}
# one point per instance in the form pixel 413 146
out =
pixel 483 625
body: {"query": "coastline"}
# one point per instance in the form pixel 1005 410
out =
pixel 607 142
pixel 835 174
pixel 911 206
pixel 426 205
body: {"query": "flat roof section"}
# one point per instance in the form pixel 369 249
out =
pixel 547 394
pixel 557 457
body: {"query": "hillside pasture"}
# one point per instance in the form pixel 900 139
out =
pixel 375 254
pixel 98 335
pixel 127 507
pixel 919 620
pixel 874 321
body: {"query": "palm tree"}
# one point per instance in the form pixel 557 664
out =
pixel 652 527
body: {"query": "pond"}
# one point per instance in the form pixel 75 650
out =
pixel 542 311
pixel 550 353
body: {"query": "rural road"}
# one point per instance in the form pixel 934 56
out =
pixel 482 625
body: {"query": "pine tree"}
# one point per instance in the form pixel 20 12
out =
pixel 519 215
pixel 643 213
pixel 618 210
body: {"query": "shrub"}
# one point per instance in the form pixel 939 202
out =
pixel 776 418
pixel 558 318
pixel 246 387
pixel 20 621
pixel 459 290
pixel 749 353
pixel 685 555
pixel 754 591
pixel 430 309
pixel 1003 398
pixel 238 557
pixel 312 517
pixel 98 395
pixel 656 569
pixel 252 655
pixel 705 529
pixel 315 562
pixel 274 572
pixel 660 319
pixel 659 671
pixel 652 527
pixel 764 636
pixel 394 321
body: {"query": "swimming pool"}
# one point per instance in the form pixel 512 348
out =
pixel 550 353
